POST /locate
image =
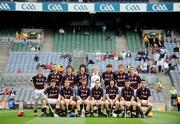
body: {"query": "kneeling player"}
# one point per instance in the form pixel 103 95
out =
pixel 67 98
pixel 143 97
pixel 52 96
pixel 97 98
pixel 112 97
pixel 83 97
pixel 127 96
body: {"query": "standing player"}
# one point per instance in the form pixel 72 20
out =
pixel 67 97
pixel 112 97
pixel 82 75
pixel 55 75
pixel 94 76
pixel 38 82
pixel 52 96
pixel 83 97
pixel 120 77
pixel 127 96
pixel 144 98
pixel 134 79
pixel 70 76
pixel 97 98
pixel 108 74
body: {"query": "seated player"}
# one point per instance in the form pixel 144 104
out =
pixel 143 98
pixel 97 98
pixel 83 97
pixel 112 97
pixel 127 96
pixel 67 98
pixel 51 96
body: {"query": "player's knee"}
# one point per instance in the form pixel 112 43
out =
pixel 78 102
pixel 87 102
pixel 117 103
pixel 149 104
pixel 62 103
pixel 106 102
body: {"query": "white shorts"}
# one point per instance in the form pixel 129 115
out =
pixel 52 101
pixel 38 94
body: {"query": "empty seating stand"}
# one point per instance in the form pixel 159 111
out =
pixel 24 61
pixel 95 41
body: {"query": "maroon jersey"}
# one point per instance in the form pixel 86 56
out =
pixel 52 93
pixel 143 94
pixel 107 76
pixel 66 92
pixel 135 80
pixel 57 77
pixel 127 93
pixel 112 91
pixel 84 92
pixel 120 79
pixel 71 78
pixel 39 82
pixel 80 76
pixel 97 93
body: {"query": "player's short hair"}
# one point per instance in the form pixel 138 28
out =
pixel 109 66
pixel 82 66
pixel 69 66
pixel 53 80
pixel 131 68
pixel 112 79
pixel 127 80
pixel 121 65
pixel 143 81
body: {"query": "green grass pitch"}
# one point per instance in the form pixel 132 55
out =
pixel 10 117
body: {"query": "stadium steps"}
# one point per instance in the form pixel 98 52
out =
pixel 4 54
pixel 121 43
pixel 48 41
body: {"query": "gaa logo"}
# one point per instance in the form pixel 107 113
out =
pixel 159 7
pixel 106 8
pixel 55 7
pixel 133 8
pixel 80 7
pixel 28 7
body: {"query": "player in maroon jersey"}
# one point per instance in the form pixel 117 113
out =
pixel 108 74
pixel 97 97
pixel 52 96
pixel 70 76
pixel 143 95
pixel 120 76
pixel 112 97
pixel 127 96
pixel 38 82
pixel 82 75
pixel 67 97
pixel 55 75
pixel 134 79
pixel 83 97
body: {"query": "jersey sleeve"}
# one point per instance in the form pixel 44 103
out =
pixel 71 92
pixel 46 90
pixel 88 92
pixel 149 92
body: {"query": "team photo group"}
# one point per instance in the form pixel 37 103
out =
pixel 110 94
